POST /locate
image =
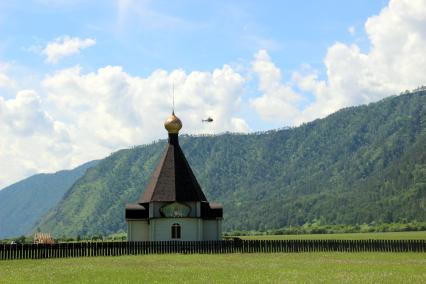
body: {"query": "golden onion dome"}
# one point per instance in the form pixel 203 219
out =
pixel 173 124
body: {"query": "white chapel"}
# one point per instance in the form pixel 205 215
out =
pixel 173 206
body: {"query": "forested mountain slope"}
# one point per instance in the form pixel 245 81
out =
pixel 23 203
pixel 360 164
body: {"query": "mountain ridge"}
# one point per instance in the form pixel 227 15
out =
pixel 358 165
pixel 275 179
pixel 24 202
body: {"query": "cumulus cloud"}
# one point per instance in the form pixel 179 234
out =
pixel 24 116
pixel 84 116
pixel 278 99
pixel 31 140
pixel 110 109
pixel 394 62
pixel 65 46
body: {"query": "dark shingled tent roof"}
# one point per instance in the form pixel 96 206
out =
pixel 173 179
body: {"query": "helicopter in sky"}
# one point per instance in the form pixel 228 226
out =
pixel 208 119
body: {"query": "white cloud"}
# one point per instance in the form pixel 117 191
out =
pixel 24 116
pixel 395 62
pixel 85 116
pixel 110 109
pixel 65 46
pixel 352 30
pixel 31 141
pixel 278 100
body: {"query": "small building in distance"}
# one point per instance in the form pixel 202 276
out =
pixel 173 206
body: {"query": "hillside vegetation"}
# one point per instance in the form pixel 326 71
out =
pixel 358 165
pixel 22 204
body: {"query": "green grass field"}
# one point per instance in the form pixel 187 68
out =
pixel 223 268
pixel 419 235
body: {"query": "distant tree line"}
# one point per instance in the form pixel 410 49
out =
pixel 315 228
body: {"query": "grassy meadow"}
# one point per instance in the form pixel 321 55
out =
pixel 223 268
pixel 416 235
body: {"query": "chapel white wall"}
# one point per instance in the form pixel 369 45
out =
pixel 212 230
pixel 160 229
pixel 137 230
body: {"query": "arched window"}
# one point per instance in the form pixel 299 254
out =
pixel 175 231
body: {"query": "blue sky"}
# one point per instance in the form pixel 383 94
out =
pixel 81 79
pixel 194 35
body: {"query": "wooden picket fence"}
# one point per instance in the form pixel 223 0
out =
pixel 87 249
